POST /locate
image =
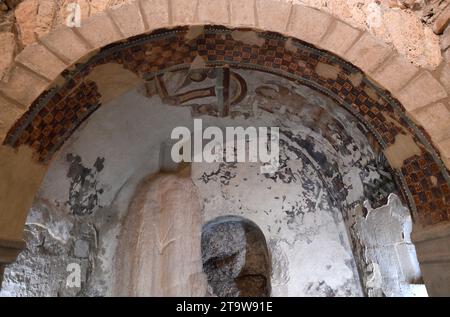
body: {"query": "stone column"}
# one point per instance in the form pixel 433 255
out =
pixel 433 251
pixel 20 178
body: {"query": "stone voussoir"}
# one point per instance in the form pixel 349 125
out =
pixel 442 21
pixel 395 73
pixel 368 53
pixel 9 113
pixel 214 11
pixel 444 149
pixel 444 76
pixel 155 13
pixel 66 44
pixel 421 91
pixel 99 30
pixel 436 117
pixel 340 38
pixel 273 15
pixel 184 11
pixel 23 85
pixel 242 12
pixel 308 24
pixel 128 19
pixel 39 59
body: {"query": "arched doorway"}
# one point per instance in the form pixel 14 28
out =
pixel 87 87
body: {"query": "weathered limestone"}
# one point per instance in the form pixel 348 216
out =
pixel 395 73
pixel 66 44
pixel 242 12
pixel 7 49
pixel 308 24
pixel 23 85
pixel 445 39
pixel 444 76
pixel 340 38
pixel 155 13
pixel 183 11
pixel 382 19
pixel 99 31
pixel 39 59
pixel 433 252
pixel 129 20
pixel 421 91
pixel 213 11
pixel 273 14
pixel 26 15
pixel 442 21
pixel 9 113
pixel 368 53
pixel 437 118
pixel 412 39
pixel 166 257
pixel 444 148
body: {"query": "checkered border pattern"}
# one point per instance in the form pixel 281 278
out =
pixel 57 113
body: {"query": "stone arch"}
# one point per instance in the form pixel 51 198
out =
pixel 409 96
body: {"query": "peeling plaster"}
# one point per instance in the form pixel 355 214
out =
pixel 314 202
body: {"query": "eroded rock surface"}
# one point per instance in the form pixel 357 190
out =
pixel 235 258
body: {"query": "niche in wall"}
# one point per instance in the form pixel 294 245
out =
pixel 235 258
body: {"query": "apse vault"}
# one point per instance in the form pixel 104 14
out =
pixel 114 201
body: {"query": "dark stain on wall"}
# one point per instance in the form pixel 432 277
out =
pixel 84 192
